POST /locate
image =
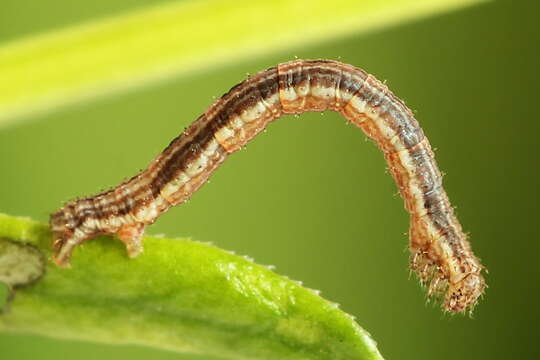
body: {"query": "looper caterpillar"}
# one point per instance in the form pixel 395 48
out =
pixel 440 253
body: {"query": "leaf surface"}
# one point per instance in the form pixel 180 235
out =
pixel 180 294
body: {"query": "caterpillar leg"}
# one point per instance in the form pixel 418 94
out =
pixel 64 244
pixel 131 236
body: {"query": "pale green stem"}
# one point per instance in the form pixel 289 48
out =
pixel 180 295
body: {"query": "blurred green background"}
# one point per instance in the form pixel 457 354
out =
pixel 310 195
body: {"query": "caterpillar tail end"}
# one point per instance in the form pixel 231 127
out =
pixel 69 233
pixel 131 235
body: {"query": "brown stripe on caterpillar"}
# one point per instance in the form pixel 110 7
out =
pixel 440 252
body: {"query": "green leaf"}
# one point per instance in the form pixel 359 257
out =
pixel 131 50
pixel 180 295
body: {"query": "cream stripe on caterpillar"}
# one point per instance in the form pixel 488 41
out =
pixel 440 253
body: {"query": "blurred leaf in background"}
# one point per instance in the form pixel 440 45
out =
pixel 462 71
pixel 130 50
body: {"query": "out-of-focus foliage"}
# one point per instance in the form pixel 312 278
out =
pixel 45 71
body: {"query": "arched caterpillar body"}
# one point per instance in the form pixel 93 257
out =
pixel 440 253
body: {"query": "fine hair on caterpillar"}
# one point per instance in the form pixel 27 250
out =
pixel 441 255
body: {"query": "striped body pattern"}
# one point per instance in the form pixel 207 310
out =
pixel 441 255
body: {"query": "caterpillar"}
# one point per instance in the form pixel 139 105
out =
pixel 441 255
